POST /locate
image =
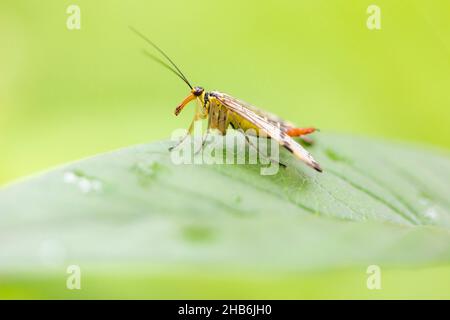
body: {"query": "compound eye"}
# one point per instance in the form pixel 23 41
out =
pixel 198 91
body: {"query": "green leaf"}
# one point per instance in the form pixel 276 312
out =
pixel 375 203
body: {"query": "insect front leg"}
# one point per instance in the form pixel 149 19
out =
pixel 191 127
pixel 189 131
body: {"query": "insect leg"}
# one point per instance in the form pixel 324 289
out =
pixel 191 127
pixel 204 140
pixel 213 123
pixel 197 116
pixel 257 150
pixel 189 132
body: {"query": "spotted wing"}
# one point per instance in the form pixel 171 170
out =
pixel 269 127
pixel 270 117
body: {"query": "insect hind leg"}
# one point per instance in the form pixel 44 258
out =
pixel 247 139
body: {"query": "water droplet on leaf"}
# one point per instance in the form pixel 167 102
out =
pixel 84 183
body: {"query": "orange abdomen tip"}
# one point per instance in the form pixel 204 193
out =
pixel 296 132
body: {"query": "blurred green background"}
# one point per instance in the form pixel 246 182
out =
pixel 66 94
